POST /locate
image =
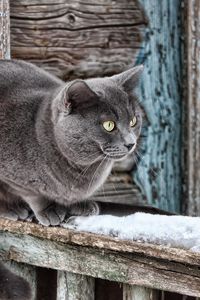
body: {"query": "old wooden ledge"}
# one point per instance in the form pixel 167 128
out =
pixel 153 266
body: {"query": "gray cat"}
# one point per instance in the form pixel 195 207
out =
pixel 58 143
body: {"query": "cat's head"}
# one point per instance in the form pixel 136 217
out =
pixel 98 118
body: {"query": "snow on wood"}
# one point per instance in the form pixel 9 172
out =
pixel 172 231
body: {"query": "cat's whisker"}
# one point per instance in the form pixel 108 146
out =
pixel 91 181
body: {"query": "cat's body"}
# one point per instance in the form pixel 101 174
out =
pixel 30 161
pixel 53 148
pixel 56 146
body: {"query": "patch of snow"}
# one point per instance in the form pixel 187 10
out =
pixel 173 231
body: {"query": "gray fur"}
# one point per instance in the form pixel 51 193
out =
pixel 53 149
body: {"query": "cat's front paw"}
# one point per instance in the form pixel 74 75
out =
pixel 52 215
pixel 15 212
pixel 85 208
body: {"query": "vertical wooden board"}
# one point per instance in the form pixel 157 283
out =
pixel 158 174
pixel 26 271
pixel 74 286
pixel 139 293
pixel 192 108
pixel 4 29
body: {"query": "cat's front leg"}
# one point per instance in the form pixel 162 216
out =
pixel 46 212
pixel 14 211
pixel 84 208
pixel 51 213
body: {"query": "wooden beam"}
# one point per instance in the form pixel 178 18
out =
pixel 101 242
pixel 75 287
pixel 94 255
pixel 192 108
pixel 4 29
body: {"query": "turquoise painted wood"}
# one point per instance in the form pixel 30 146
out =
pixel 158 174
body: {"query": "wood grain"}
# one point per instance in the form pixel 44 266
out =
pixel 192 164
pixel 74 287
pixel 132 268
pixel 119 188
pixel 100 242
pixel 4 29
pixel 26 271
pixel 159 173
pixel 139 293
pixel 77 39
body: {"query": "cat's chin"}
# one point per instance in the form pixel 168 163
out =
pixel 116 157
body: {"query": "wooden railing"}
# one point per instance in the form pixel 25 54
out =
pixel 81 257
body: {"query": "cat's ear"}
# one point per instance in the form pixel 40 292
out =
pixel 79 95
pixel 76 96
pixel 129 79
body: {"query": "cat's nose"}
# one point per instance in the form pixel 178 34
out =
pixel 129 146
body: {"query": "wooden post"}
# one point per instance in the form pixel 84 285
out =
pixel 4 29
pixel 74 286
pixel 26 271
pixel 192 108
pixel 159 173
pixel 139 293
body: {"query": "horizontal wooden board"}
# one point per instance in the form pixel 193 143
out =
pixel 24 242
pixel 77 39
pixel 101 242
pixel 119 188
pixel 77 63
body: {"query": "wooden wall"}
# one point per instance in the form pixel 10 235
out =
pixel 77 38
pixel 159 173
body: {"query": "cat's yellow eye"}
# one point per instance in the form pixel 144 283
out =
pixel 133 122
pixel 108 125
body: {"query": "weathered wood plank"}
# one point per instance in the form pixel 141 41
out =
pixel 192 107
pixel 135 269
pixel 75 287
pixel 77 62
pixel 26 271
pixel 100 242
pixel 77 39
pixel 159 174
pixel 119 188
pixel 4 29
pixel 138 293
